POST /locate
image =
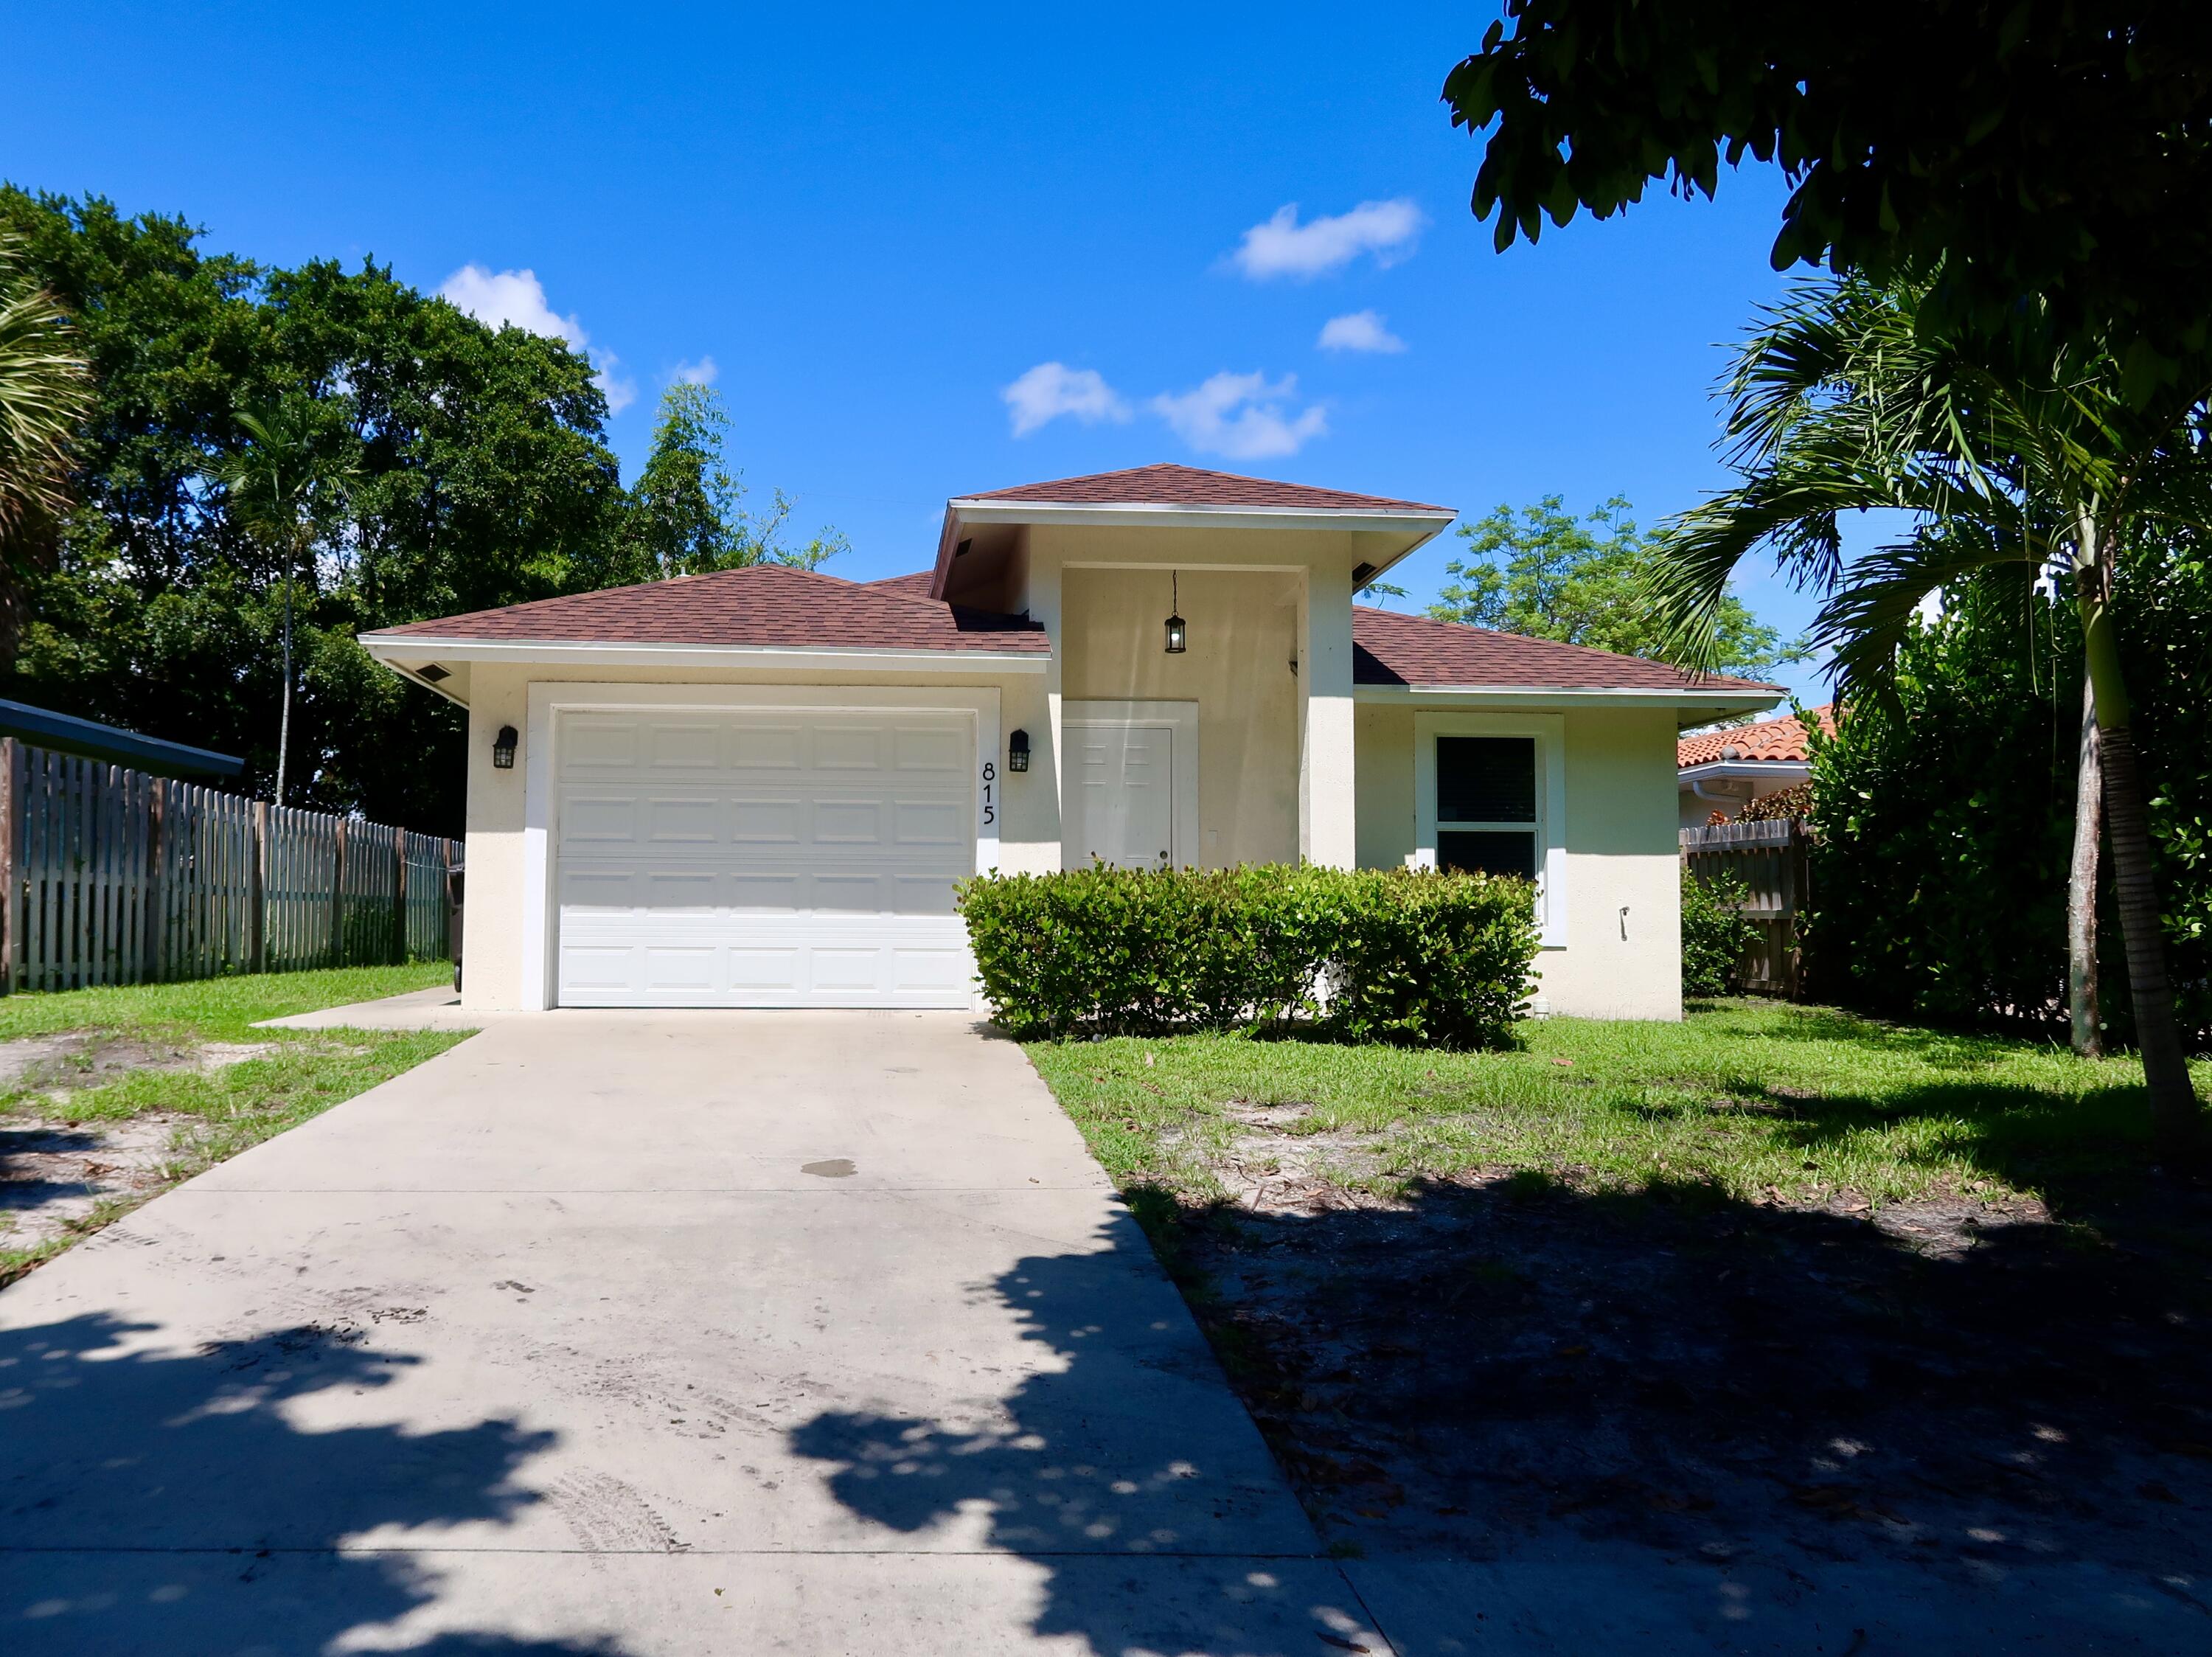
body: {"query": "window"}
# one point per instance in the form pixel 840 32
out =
pixel 1486 804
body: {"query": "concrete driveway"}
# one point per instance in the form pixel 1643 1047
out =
pixel 646 1333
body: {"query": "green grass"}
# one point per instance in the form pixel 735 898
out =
pixel 228 1109
pixel 1760 1101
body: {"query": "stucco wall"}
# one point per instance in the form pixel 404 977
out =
pixel 493 917
pixel 1621 852
pixel 1243 632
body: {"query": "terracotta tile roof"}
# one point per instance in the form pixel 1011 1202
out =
pixel 1388 648
pixel 1174 485
pixel 766 605
pixel 1769 739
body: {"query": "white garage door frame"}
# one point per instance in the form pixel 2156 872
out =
pixel 549 701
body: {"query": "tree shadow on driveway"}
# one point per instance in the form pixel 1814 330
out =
pixel 160 1501
pixel 1122 1467
pixel 1671 1408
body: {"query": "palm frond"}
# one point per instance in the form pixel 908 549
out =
pixel 45 396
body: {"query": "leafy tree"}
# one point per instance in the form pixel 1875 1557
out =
pixel 45 393
pixel 474 473
pixel 1547 575
pixel 687 511
pixel 2052 150
pixel 2008 456
pixel 1941 867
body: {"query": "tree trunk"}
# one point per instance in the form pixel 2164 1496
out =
pixel 284 719
pixel 2174 1115
pixel 2081 886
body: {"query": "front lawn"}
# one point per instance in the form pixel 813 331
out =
pixel 111 1096
pixel 1773 1285
pixel 1762 1100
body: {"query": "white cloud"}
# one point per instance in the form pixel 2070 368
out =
pixel 1052 389
pixel 1360 330
pixel 704 372
pixel 500 299
pixel 1241 416
pixel 1283 247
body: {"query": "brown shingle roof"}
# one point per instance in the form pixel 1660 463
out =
pixel 1174 485
pixel 1769 739
pixel 767 604
pixel 1391 649
pixel 916 586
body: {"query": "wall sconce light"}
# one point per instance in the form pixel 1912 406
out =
pixel 503 748
pixel 1018 752
pixel 1178 634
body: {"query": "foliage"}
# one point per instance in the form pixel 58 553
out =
pixel 1373 955
pixel 1547 576
pixel 1782 806
pixel 45 394
pixel 456 467
pixel 1763 1099
pixel 2053 150
pixel 687 513
pixel 1944 817
pixel 1714 934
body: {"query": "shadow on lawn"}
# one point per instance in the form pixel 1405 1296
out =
pixel 159 1501
pixel 1512 1371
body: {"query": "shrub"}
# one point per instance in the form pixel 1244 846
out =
pixel 1369 955
pixel 1714 934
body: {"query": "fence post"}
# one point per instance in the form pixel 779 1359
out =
pixel 256 891
pixel 11 876
pixel 338 895
pixel 400 897
pixel 156 908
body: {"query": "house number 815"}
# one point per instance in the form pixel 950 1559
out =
pixel 990 809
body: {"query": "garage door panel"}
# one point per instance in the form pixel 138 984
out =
pixel 695 821
pixel 849 748
pixel 598 745
pixel 850 822
pixel 799 860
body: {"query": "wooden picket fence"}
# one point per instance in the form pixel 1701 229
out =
pixel 1770 859
pixel 109 875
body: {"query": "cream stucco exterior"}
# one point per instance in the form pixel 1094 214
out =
pixel 1294 760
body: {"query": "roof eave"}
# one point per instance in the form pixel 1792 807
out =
pixel 395 650
pixel 1693 705
pixel 1421 525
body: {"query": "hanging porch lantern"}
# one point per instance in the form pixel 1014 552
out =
pixel 1178 633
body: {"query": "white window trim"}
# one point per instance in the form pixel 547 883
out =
pixel 1181 718
pixel 1550 733
pixel 549 700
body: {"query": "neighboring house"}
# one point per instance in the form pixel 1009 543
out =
pixel 1725 770
pixel 757 788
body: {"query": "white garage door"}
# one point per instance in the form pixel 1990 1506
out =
pixel 763 857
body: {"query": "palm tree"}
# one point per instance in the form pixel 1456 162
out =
pixel 2009 454
pixel 271 482
pixel 45 395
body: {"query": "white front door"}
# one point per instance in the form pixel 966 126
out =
pixel 1120 797
pixel 783 856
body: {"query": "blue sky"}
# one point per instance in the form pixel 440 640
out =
pixel 874 222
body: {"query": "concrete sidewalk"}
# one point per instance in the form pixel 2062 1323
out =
pixel 800 1332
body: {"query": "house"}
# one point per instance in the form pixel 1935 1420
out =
pixel 1726 769
pixel 757 787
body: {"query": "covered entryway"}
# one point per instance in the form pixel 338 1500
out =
pixel 781 856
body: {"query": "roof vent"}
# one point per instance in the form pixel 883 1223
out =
pixel 961 551
pixel 432 672
pixel 1730 750
pixel 1362 574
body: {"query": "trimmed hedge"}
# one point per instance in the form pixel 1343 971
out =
pixel 1394 955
